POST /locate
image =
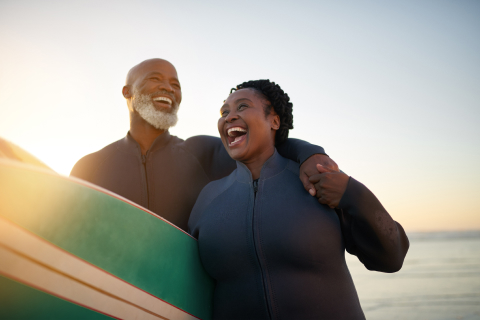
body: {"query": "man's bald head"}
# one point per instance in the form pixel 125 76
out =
pixel 144 67
pixel 153 93
pixel 152 76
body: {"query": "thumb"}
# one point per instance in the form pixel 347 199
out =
pixel 308 185
pixel 323 169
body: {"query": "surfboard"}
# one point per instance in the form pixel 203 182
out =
pixel 72 250
pixel 9 150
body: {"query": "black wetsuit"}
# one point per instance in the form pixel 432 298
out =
pixel 168 179
pixel 276 253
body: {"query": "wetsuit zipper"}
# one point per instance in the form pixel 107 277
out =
pixel 144 161
pixel 255 190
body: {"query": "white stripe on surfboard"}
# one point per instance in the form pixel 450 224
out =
pixel 35 261
pixel 24 270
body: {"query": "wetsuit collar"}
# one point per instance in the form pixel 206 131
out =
pixel 274 165
pixel 129 145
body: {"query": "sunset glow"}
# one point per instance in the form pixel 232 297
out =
pixel 389 90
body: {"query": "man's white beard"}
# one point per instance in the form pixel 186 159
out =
pixel 160 119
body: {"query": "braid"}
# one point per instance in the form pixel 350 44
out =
pixel 279 100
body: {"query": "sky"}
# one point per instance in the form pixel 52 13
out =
pixel 390 89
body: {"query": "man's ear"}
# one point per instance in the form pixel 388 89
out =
pixel 126 92
pixel 276 122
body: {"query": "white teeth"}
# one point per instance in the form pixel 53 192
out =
pixel 163 99
pixel 235 129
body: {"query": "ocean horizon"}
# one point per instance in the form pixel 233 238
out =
pixel 440 279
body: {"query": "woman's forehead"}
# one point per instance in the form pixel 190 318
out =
pixel 247 93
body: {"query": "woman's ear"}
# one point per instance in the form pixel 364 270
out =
pixel 276 122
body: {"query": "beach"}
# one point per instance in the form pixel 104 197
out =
pixel 440 279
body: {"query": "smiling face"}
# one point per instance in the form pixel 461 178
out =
pixel 158 79
pixel 247 133
pixel 154 92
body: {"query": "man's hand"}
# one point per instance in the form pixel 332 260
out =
pixel 330 185
pixel 309 168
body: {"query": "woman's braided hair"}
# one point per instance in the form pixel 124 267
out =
pixel 279 100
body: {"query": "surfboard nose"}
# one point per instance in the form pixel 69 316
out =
pixel 11 151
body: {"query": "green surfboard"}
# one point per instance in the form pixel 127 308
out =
pixel 69 249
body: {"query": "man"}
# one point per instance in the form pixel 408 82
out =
pixel 162 172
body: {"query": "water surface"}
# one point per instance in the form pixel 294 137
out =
pixel 440 279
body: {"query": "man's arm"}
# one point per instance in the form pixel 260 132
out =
pixel 217 164
pixel 212 156
pixel 308 156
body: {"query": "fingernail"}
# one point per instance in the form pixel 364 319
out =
pixel 312 192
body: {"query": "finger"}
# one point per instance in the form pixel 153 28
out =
pixel 315 178
pixel 323 169
pixel 326 161
pixel 320 194
pixel 331 164
pixel 307 185
pixel 322 200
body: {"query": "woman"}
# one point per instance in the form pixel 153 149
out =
pixel 274 251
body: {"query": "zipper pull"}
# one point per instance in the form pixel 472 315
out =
pixel 255 186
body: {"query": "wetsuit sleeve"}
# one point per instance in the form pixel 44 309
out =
pixel 87 167
pixel 298 150
pixel 217 164
pixel 212 156
pixel 370 233
pixel 83 168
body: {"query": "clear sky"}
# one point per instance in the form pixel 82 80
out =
pixel 390 89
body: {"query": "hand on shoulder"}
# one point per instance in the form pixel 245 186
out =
pixel 330 185
pixel 309 168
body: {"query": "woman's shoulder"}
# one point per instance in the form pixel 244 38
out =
pixel 214 189
pixel 293 167
pixel 290 167
pixel 208 194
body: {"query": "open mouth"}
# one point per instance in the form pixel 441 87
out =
pixel 166 102
pixel 236 135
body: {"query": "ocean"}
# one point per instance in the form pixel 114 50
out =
pixel 440 279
